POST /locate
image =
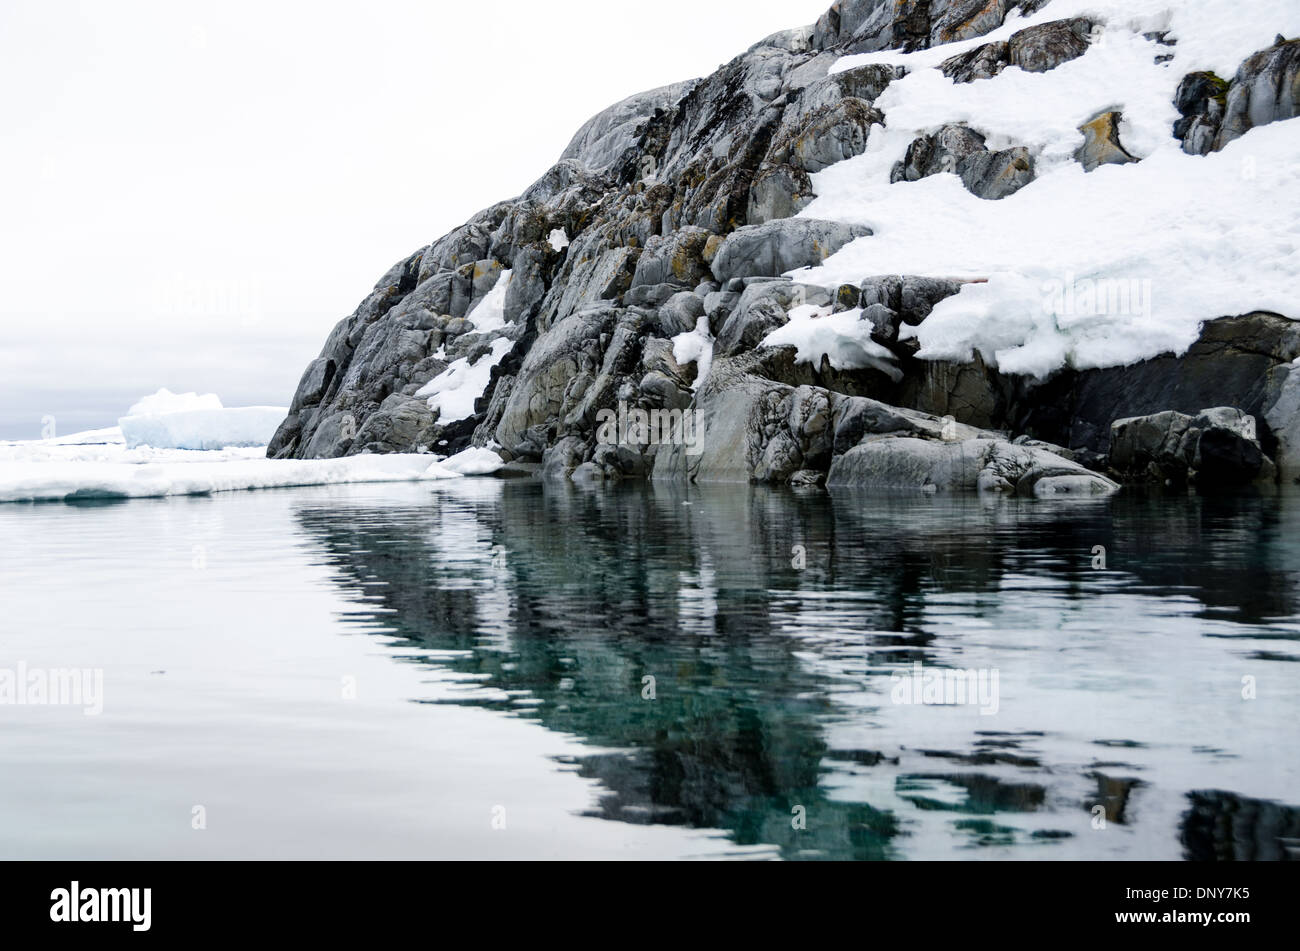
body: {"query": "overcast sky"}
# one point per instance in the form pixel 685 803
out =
pixel 192 194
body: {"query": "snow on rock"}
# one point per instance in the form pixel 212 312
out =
pixel 455 390
pixel 1084 269
pixel 490 313
pixel 695 346
pixel 843 338
pixel 473 461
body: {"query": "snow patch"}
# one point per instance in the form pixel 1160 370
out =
pixel 454 391
pixel 489 314
pixel 473 462
pixel 843 338
pixel 695 346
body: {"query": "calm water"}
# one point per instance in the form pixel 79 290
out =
pixel 460 671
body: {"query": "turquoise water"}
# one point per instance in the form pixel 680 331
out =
pixel 502 669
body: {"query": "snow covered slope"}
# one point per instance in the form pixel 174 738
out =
pixel 1175 239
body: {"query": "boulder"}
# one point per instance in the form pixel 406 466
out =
pixel 751 428
pixel 775 247
pixel 960 150
pixel 1101 145
pixel 401 424
pixel 1201 99
pixel 676 259
pixel 1265 89
pixel 1037 49
pixel 1217 447
pixel 983 62
pixel 778 191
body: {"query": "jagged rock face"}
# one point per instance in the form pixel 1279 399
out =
pixel 635 214
pixel 1282 415
pixel 1214 112
pixel 861 26
pixel 643 273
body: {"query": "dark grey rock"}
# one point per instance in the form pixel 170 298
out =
pixel 1217 447
pixel 983 62
pixel 680 313
pixel 961 150
pixel 1037 49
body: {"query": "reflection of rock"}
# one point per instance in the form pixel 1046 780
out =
pixel 1224 827
pixel 984 794
pixel 1113 795
pixel 573 620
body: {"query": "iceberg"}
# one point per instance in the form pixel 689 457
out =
pixel 169 420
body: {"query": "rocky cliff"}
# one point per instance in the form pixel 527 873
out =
pixel 655 274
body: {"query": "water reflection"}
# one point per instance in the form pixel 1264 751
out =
pixel 766 624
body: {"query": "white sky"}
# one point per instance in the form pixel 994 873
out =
pixel 191 195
